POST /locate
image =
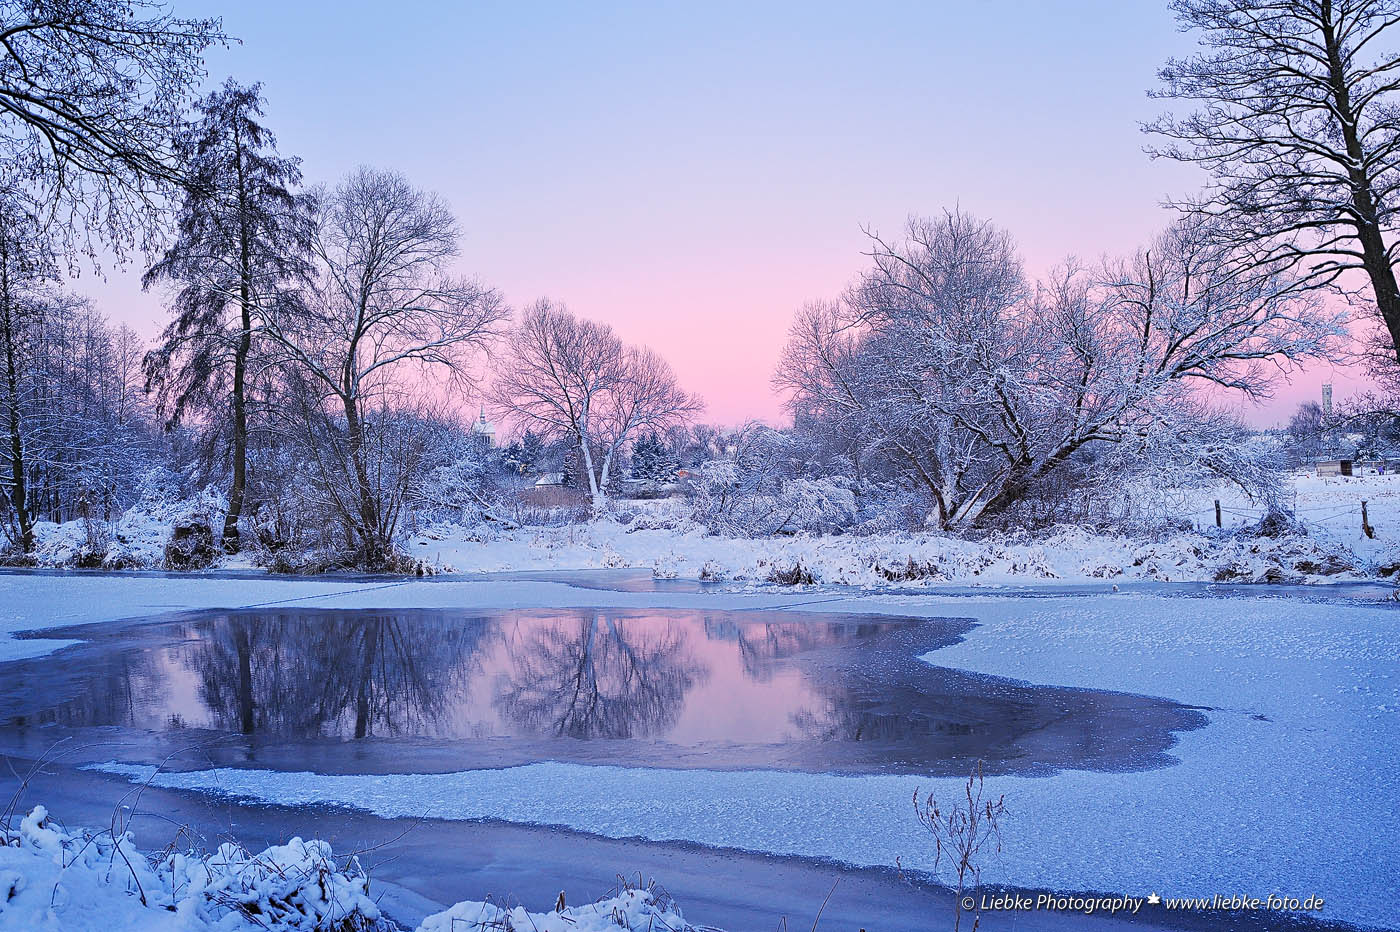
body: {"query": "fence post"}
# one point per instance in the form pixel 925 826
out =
pixel 1217 512
pixel 1365 522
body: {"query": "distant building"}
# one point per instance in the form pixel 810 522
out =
pixel 549 478
pixel 484 429
pixel 1335 468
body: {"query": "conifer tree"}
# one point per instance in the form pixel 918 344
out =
pixel 239 244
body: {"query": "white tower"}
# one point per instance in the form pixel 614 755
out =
pixel 1327 401
pixel 484 429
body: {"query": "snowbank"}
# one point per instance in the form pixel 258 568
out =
pixel 54 879
pixel 1326 544
pixel 916 560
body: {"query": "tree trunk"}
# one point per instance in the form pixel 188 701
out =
pixel 600 499
pixel 18 493
pixel 1363 198
pixel 231 540
pixel 240 363
pixel 372 549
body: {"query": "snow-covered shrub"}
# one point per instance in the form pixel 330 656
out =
pixel 464 489
pixel 191 546
pixel 194 531
pixel 46 869
pixel 632 909
pixel 138 537
pixel 792 575
pixel 888 508
pixel 296 886
pixel 1160 480
pixel 728 502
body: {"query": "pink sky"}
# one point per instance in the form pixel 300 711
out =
pixel 692 175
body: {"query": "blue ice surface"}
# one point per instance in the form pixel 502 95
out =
pixel 1290 789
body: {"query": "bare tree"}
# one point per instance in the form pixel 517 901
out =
pixel 1297 127
pixel 571 378
pixel 383 308
pixel 92 93
pixel 983 389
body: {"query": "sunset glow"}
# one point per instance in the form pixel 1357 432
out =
pixel 691 176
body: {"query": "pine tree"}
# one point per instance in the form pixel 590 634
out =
pixel 570 469
pixel 643 457
pixel 237 247
pixel 652 460
pixel 531 449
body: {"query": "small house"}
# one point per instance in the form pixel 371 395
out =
pixel 1334 468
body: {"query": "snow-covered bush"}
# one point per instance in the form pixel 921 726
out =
pixel 891 508
pixel 733 499
pixel 293 886
pixel 47 872
pixel 634 909
pixel 139 537
pixel 56 879
pixel 464 489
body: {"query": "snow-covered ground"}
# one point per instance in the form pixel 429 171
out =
pixel 59 879
pixel 660 539
pixel 659 536
pixel 1291 787
pixel 906 561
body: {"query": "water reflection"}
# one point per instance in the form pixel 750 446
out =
pixel 598 677
pixel 344 676
pixel 756 689
pixel 578 674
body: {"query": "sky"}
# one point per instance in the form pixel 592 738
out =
pixel 693 173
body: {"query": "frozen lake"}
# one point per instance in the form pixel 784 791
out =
pixel 1180 740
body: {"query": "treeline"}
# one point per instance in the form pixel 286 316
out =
pixel 321 339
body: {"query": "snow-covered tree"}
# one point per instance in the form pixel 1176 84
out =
pixel 652 459
pixel 25 263
pixel 574 379
pixel 1307 434
pixel 239 246
pixel 942 356
pixel 92 93
pixel 78 434
pixel 383 307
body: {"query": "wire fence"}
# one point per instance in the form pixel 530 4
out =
pixel 1329 518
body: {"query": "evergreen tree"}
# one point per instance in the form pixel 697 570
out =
pixel 523 455
pixel 237 247
pixel 652 459
pixel 531 449
pixel 570 467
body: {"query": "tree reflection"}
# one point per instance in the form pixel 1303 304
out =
pixel 107 690
pixel 598 676
pixel 762 645
pixel 332 674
